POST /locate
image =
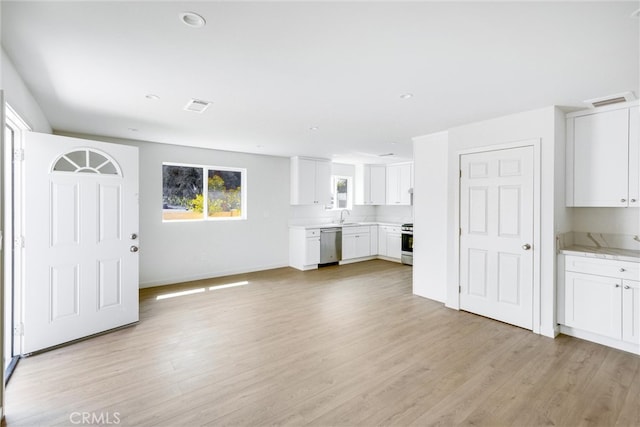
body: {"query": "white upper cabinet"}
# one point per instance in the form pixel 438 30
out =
pixel 310 181
pixel 603 157
pixel 371 186
pixel 399 184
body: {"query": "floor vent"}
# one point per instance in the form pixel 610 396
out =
pixel 197 105
pixel 610 99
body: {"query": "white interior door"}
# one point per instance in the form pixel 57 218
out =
pixel 80 239
pixel 496 236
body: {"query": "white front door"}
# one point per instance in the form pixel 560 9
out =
pixel 496 235
pixel 80 238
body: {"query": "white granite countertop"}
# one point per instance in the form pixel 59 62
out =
pixel 605 253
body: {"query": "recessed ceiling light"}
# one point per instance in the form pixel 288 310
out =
pixel 406 95
pixel 133 129
pixel 152 96
pixel 192 19
pixel 314 128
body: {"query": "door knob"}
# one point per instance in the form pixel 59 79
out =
pixel 526 246
pixel 627 287
pixel 623 200
pixel 133 249
pixel 133 236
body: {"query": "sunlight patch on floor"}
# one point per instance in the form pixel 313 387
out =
pixel 200 290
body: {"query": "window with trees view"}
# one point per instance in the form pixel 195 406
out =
pixel 341 192
pixel 184 188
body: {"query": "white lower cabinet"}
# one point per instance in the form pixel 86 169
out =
pixel 312 247
pixel 390 241
pixel 631 312
pixel 304 248
pixel 356 242
pixel 593 303
pixel 601 303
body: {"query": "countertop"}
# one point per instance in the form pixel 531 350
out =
pixel 346 224
pixel 605 253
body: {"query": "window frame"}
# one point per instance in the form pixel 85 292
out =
pixel 334 192
pixel 205 191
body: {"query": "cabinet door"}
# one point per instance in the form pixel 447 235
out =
pixel 373 240
pixel 363 245
pixel 306 180
pixel 349 250
pixel 394 245
pixel 312 251
pixel 382 240
pixel 593 303
pixel 393 184
pixel 601 150
pixel 634 157
pixel 404 184
pixel 631 311
pixel 322 186
pixel 377 184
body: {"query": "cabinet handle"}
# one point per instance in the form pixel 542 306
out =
pixel 622 270
pixel 633 200
pixel 617 285
pixel 627 287
pixel 623 200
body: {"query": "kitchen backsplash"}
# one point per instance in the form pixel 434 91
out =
pixel 599 240
pixel 301 215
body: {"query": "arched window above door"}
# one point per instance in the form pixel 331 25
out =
pixel 86 160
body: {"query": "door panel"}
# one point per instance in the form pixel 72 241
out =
pixel 80 209
pixel 496 217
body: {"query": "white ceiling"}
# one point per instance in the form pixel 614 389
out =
pixel 276 69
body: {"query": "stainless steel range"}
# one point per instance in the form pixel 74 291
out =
pixel 407 244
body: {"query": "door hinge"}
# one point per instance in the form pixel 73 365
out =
pixel 18 329
pixel 460 231
pixel 18 242
pixel 18 155
pixel 459 289
pixel 460 173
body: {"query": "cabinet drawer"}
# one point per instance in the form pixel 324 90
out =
pixel 313 233
pixel 603 267
pixel 391 229
pixel 355 230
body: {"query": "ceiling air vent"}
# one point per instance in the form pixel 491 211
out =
pixel 197 105
pixel 610 99
pixel 386 155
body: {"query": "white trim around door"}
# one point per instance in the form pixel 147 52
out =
pixel 453 288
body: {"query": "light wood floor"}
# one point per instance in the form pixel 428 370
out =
pixel 343 346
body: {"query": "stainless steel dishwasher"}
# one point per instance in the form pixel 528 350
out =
pixel 330 245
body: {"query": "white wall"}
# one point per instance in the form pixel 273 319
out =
pixel 535 124
pixel 18 96
pixel 430 216
pixel 173 252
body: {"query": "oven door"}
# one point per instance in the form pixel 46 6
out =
pixel 407 242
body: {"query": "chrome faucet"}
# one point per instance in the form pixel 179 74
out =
pixel 343 211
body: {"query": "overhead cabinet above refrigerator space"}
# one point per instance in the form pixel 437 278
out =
pixel 603 157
